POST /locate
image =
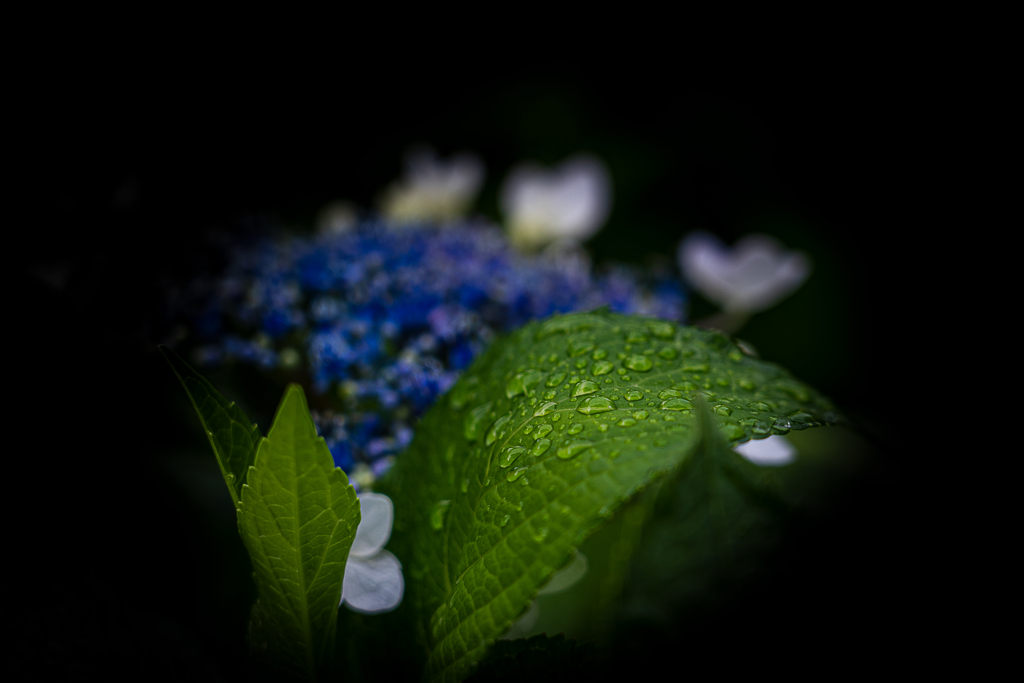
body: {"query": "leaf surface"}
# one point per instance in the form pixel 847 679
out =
pixel 233 437
pixel 298 517
pixel 547 434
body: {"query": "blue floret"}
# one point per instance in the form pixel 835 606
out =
pixel 385 318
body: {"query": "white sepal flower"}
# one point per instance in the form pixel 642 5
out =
pixel 561 580
pixel 774 451
pixel 373 576
pixel 752 276
pixel 569 203
pixel 433 189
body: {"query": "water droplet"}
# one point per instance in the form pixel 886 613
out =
pixel 640 414
pixel 732 432
pixel 801 418
pixel 573 448
pixel 761 428
pixel 603 427
pixel 660 442
pixel 576 428
pixel 758 405
pixel 473 423
pixel 635 337
pixel 522 383
pixel 602 367
pixel 437 514
pixel 662 329
pixel 578 347
pixel 626 422
pixel 465 485
pixel 676 404
pixel 599 354
pixel 509 455
pixel 555 379
pixel 540 447
pixel 464 392
pixel 497 430
pixel 781 426
pixel 504 521
pixel 516 473
pixel 545 409
pixel 634 395
pixel 539 535
pixel 543 431
pixel 722 410
pixel 668 353
pixel 581 363
pixel 549 394
pixel 583 388
pixel 689 387
pixel 527 429
pixel 747 385
pixel 555 417
pixel 669 393
pixel 596 404
pixel 695 367
pixel 638 362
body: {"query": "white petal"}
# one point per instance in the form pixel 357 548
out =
pixel 571 202
pixel 752 276
pixel 567 576
pixel 375 527
pixel 524 624
pixel 771 452
pixel 373 584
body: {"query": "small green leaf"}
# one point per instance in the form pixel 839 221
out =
pixel 589 441
pixel 298 517
pixel 231 434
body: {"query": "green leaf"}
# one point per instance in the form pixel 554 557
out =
pixel 231 434
pixel 298 516
pixel 537 445
pixel 709 525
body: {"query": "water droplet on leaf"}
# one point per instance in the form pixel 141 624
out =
pixel 596 404
pixel 573 448
pixel 638 362
pixel 474 421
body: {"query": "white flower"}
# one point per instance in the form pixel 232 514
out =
pixel 562 580
pixel 774 451
pixel 373 576
pixel 569 203
pixel 433 189
pixel 750 277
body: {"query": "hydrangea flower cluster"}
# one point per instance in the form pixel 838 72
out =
pixel 385 317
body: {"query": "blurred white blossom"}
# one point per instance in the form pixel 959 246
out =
pixel 774 451
pixel 373 576
pixel 432 188
pixel 561 580
pixel 751 276
pixel 569 203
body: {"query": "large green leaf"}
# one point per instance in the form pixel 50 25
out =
pixel 540 442
pixel 231 434
pixel 298 516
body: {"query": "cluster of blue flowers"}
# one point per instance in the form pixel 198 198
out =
pixel 385 318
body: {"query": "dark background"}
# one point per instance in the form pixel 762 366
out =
pixel 123 185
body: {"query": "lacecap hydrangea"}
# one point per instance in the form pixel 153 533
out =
pixel 384 318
